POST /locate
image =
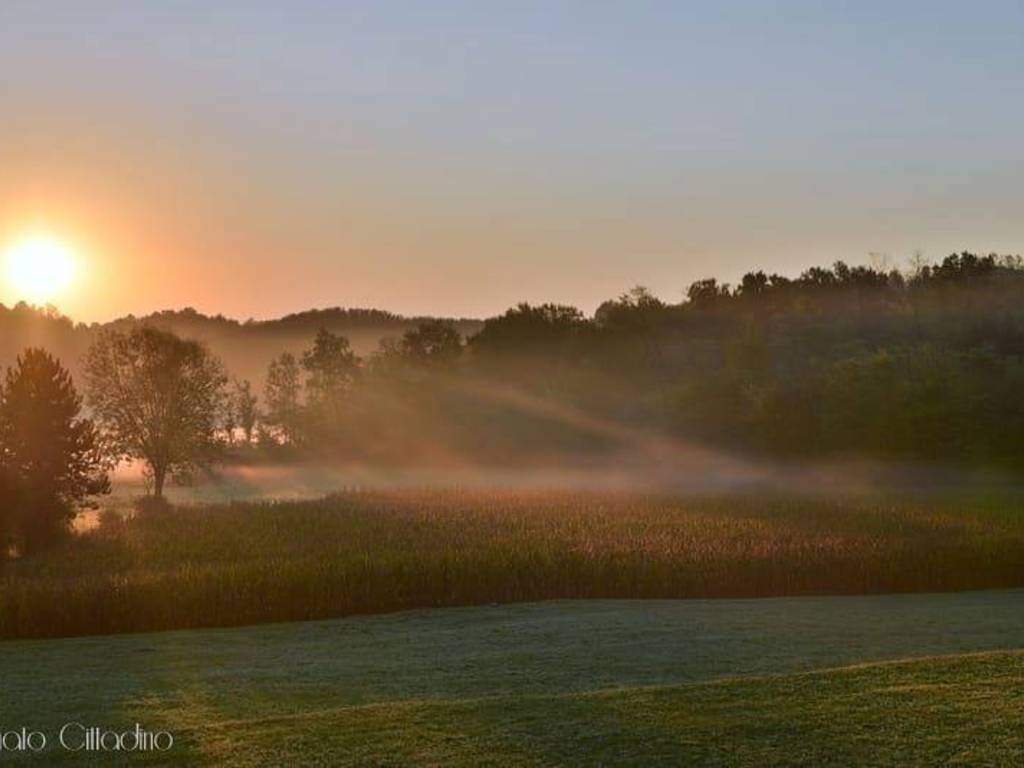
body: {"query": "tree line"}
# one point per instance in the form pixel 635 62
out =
pixel 926 364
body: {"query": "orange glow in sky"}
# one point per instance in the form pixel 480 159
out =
pixel 39 268
pixel 456 158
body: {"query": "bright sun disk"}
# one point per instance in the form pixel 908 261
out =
pixel 39 268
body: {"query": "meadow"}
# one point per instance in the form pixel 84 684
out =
pixel 374 552
pixel 807 680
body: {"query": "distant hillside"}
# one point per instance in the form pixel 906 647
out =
pixel 246 347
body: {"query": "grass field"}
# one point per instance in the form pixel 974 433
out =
pixel 249 563
pixel 957 710
pixel 643 682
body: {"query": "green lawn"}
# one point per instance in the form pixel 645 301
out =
pixel 966 710
pixel 702 681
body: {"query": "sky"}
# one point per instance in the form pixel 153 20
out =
pixel 456 157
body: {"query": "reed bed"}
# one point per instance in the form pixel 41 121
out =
pixel 246 563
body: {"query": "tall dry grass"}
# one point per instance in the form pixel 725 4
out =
pixel 364 553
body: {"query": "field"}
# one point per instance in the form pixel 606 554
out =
pixel 732 682
pixel 361 553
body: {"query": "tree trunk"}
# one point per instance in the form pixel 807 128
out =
pixel 159 476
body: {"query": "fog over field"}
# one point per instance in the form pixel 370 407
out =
pixel 710 473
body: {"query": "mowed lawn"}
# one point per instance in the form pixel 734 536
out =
pixel 363 553
pixel 731 682
pixel 966 710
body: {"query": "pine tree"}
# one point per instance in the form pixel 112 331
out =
pixel 52 461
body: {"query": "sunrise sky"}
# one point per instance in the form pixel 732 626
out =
pixel 454 158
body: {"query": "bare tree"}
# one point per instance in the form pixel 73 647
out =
pixel 159 398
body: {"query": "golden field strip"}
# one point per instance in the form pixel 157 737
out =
pixel 361 553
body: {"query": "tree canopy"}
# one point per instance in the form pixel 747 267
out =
pixel 158 399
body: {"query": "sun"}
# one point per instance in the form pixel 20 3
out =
pixel 40 268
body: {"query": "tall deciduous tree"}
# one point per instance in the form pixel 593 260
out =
pixel 281 399
pixel 434 344
pixel 51 457
pixel 160 399
pixel 246 409
pixel 332 367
